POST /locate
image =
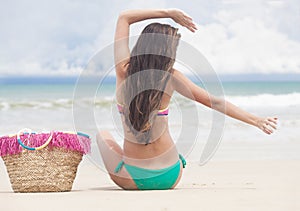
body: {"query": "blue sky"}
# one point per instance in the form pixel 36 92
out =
pixel 57 38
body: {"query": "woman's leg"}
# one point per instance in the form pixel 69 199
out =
pixel 179 176
pixel 112 155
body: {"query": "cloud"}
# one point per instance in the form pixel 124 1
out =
pixel 242 42
pixel 59 37
pixel 48 37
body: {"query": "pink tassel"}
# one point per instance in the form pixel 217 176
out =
pixel 10 145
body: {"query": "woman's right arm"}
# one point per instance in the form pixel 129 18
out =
pixel 187 88
pixel 126 18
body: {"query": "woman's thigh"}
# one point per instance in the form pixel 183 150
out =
pixel 179 176
pixel 112 155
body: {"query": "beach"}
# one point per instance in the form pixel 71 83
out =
pixel 227 185
pixel 249 170
pixel 63 64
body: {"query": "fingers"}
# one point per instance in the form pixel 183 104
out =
pixel 269 125
pixel 267 130
pixel 272 122
pixel 189 24
pixel 186 21
pixel 274 119
pixel 193 27
pixel 189 21
pixel 272 125
pixel 187 16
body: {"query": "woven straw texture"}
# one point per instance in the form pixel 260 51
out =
pixel 47 170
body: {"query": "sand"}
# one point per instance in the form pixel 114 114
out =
pixel 218 185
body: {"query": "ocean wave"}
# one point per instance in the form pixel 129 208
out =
pixel 52 104
pixel 261 100
pixel 266 100
pixel 35 104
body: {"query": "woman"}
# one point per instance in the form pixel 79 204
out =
pixel 145 82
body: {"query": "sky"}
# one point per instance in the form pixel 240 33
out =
pixel 59 37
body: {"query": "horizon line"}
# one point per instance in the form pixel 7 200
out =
pixel 253 77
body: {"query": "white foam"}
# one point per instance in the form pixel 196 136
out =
pixel 105 102
pixel 4 106
pixel 266 100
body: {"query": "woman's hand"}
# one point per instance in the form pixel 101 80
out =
pixel 267 125
pixel 183 19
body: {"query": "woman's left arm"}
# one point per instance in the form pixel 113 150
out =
pixel 187 88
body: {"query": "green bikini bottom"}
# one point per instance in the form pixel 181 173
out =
pixel 153 179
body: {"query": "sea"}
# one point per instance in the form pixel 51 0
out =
pixel 45 104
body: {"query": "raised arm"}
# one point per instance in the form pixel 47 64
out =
pixel 126 18
pixel 187 88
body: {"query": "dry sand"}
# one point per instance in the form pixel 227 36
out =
pixel 218 185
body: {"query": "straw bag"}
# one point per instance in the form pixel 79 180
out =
pixel 43 162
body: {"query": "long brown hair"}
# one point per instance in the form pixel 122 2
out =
pixel 154 50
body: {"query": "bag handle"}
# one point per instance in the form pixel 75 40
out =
pixel 77 133
pixel 23 131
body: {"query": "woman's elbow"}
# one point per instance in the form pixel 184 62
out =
pixel 213 102
pixel 124 15
pixel 217 103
